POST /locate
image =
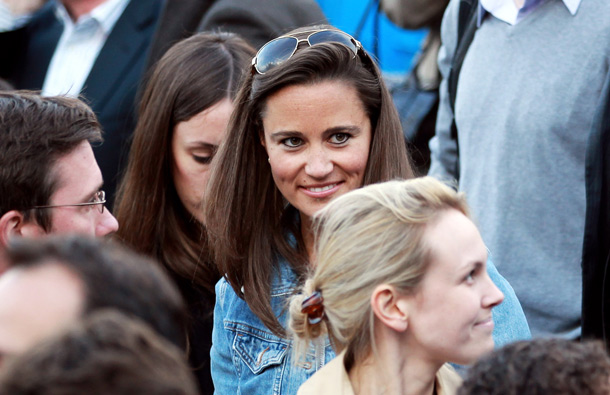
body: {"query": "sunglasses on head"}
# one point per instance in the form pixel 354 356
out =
pixel 277 51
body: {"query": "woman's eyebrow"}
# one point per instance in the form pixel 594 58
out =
pixel 351 129
pixel 282 134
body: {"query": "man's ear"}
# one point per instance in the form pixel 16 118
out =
pixel 13 224
pixel 390 307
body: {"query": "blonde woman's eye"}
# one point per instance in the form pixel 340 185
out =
pixel 469 279
pixel 339 138
pixel 292 142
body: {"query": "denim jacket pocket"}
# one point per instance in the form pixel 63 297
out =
pixel 258 349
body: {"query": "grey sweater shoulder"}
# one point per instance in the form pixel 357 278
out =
pixel 525 103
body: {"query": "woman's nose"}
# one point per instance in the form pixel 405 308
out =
pixel 493 296
pixel 319 164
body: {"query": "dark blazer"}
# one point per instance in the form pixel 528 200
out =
pixel 257 21
pixel 596 243
pixel 111 86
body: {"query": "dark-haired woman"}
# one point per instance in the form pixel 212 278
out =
pixel 313 121
pixel 183 117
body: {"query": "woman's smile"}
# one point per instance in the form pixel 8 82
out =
pixel 321 191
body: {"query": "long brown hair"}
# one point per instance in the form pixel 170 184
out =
pixel 245 212
pixel 192 76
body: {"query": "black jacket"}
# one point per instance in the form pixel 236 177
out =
pixel 596 244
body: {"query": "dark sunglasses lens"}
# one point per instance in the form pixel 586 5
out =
pixel 333 36
pixel 274 53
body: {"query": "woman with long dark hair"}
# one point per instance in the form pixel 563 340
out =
pixel 183 117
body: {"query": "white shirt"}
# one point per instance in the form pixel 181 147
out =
pixel 78 47
pixel 507 11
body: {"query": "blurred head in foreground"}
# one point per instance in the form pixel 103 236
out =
pixel 541 366
pixel 53 281
pixel 107 353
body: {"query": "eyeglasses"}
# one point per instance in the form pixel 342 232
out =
pixel 277 51
pixel 99 199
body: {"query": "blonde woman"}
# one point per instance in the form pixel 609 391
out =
pixel 400 287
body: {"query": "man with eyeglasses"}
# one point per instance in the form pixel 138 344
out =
pixel 49 179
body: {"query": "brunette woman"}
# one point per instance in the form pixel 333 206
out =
pixel 183 117
pixel 401 287
pixel 313 121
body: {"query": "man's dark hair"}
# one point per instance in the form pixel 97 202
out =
pixel 541 366
pixel 113 277
pixel 36 131
pixel 106 353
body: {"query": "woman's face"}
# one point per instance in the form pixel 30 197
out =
pixel 317 138
pixel 450 316
pixel 193 146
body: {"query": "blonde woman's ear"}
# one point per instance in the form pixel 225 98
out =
pixel 390 307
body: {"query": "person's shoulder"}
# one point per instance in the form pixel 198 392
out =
pixel 141 12
pixel 221 286
pixel 449 25
pixel 248 3
pixel 332 379
pixel 306 10
pixel 283 279
pixel 448 380
pixel 41 19
pixel 225 295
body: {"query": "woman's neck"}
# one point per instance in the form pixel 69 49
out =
pixel 392 371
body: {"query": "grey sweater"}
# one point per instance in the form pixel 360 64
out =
pixel 524 109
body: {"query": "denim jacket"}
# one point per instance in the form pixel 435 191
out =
pixel 247 358
pixel 510 324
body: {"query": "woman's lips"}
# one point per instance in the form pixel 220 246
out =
pixel 487 323
pixel 321 191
